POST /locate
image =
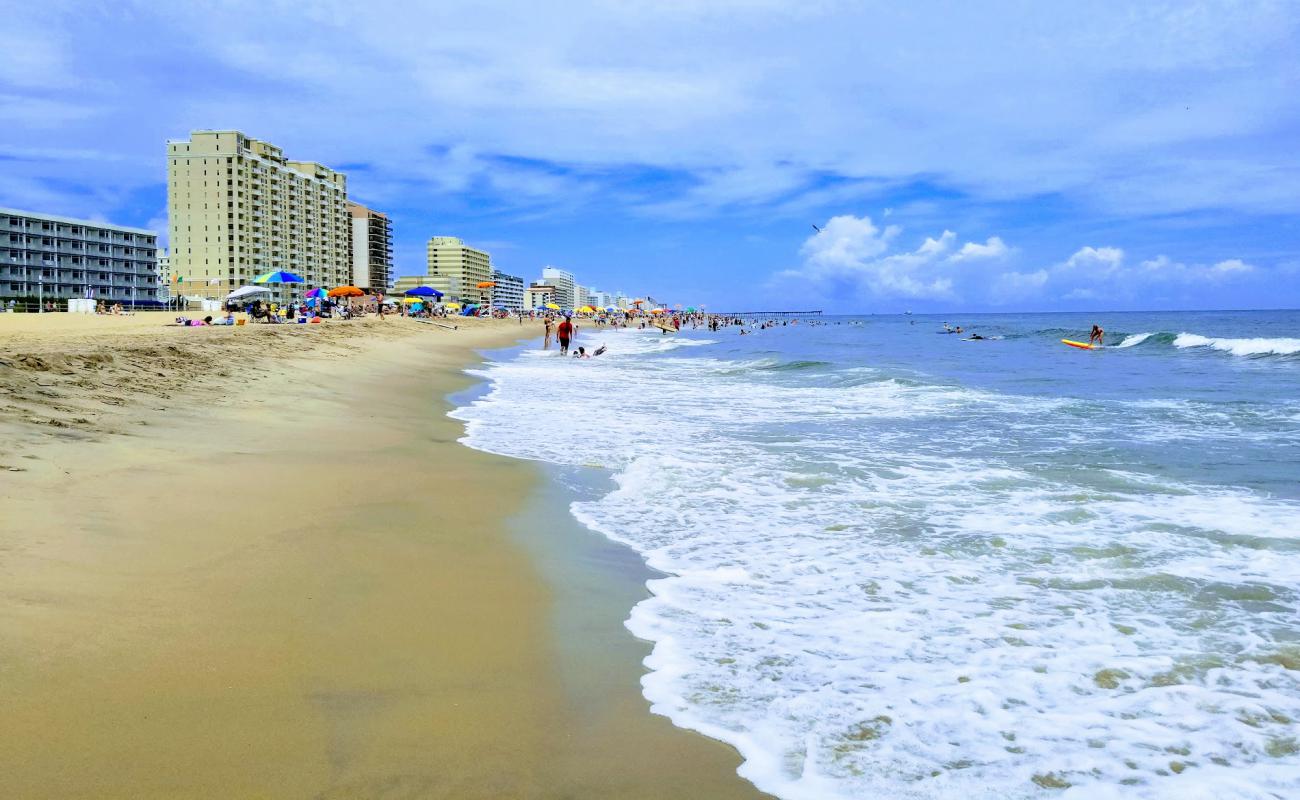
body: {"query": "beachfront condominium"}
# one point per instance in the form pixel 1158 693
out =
pixel 239 208
pixel 538 296
pixel 456 269
pixel 566 294
pixel 49 258
pixel 372 249
pixel 508 292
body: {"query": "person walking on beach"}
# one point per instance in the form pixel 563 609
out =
pixel 1096 335
pixel 550 329
pixel 565 331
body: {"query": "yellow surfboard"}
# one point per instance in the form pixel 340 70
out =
pixel 1081 345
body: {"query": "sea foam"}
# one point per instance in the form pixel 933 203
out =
pixel 865 603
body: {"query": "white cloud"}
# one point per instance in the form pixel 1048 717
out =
pixel 750 99
pixel 852 253
pixel 993 248
pixel 853 256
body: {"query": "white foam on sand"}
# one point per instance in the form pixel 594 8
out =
pixel 866 612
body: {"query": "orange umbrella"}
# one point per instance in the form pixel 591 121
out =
pixel 487 284
pixel 346 291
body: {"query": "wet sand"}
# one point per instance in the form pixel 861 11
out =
pixel 290 581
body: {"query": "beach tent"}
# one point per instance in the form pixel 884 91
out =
pixel 245 291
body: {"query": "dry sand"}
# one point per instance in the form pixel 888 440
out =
pixel 253 562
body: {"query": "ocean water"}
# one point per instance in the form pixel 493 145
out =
pixel 902 565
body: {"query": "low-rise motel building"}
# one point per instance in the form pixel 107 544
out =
pixel 372 248
pixel 46 258
pixel 239 208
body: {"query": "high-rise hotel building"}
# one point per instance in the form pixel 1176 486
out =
pixel 372 249
pixel 239 208
pixel 454 268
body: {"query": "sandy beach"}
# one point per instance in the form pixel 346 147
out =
pixel 254 562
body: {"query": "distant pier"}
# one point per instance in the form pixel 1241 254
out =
pixel 766 313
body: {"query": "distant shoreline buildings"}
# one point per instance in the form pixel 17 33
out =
pixel 238 208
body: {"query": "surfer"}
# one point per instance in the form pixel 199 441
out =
pixel 1097 335
pixel 976 336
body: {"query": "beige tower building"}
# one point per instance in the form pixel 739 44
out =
pixel 456 269
pixel 239 208
pixel 372 248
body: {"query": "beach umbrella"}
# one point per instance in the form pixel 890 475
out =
pixel 245 291
pixel 423 291
pixel 279 276
pixel 346 291
pixel 610 309
pixel 657 311
pixel 452 306
pixel 314 293
pixel 417 306
pixel 487 284
pixel 690 309
pixel 587 310
pixel 637 302
pixel 409 300
pixel 553 306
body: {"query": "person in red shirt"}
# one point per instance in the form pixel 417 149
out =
pixel 564 332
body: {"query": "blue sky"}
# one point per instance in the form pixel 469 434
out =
pixel 956 156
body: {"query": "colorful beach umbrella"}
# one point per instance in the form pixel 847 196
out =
pixel 423 291
pixel 553 306
pixel 346 291
pixel 317 292
pixel 279 276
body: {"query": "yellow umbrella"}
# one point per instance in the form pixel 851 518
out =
pixel 452 306
pixel 410 300
pixel 553 306
pixel 587 310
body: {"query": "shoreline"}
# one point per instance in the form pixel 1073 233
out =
pixel 294 581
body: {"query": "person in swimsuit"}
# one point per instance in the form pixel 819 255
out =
pixel 564 332
pixel 1097 335
pixel 550 329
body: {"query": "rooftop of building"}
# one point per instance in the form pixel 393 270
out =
pixel 88 223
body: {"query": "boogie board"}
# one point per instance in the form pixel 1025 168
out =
pixel 1081 345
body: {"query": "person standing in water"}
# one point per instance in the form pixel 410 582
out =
pixel 564 332
pixel 1097 335
pixel 550 329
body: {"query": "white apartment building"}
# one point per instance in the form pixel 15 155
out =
pixel 239 208
pixel 565 286
pixel 508 292
pixel 56 258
